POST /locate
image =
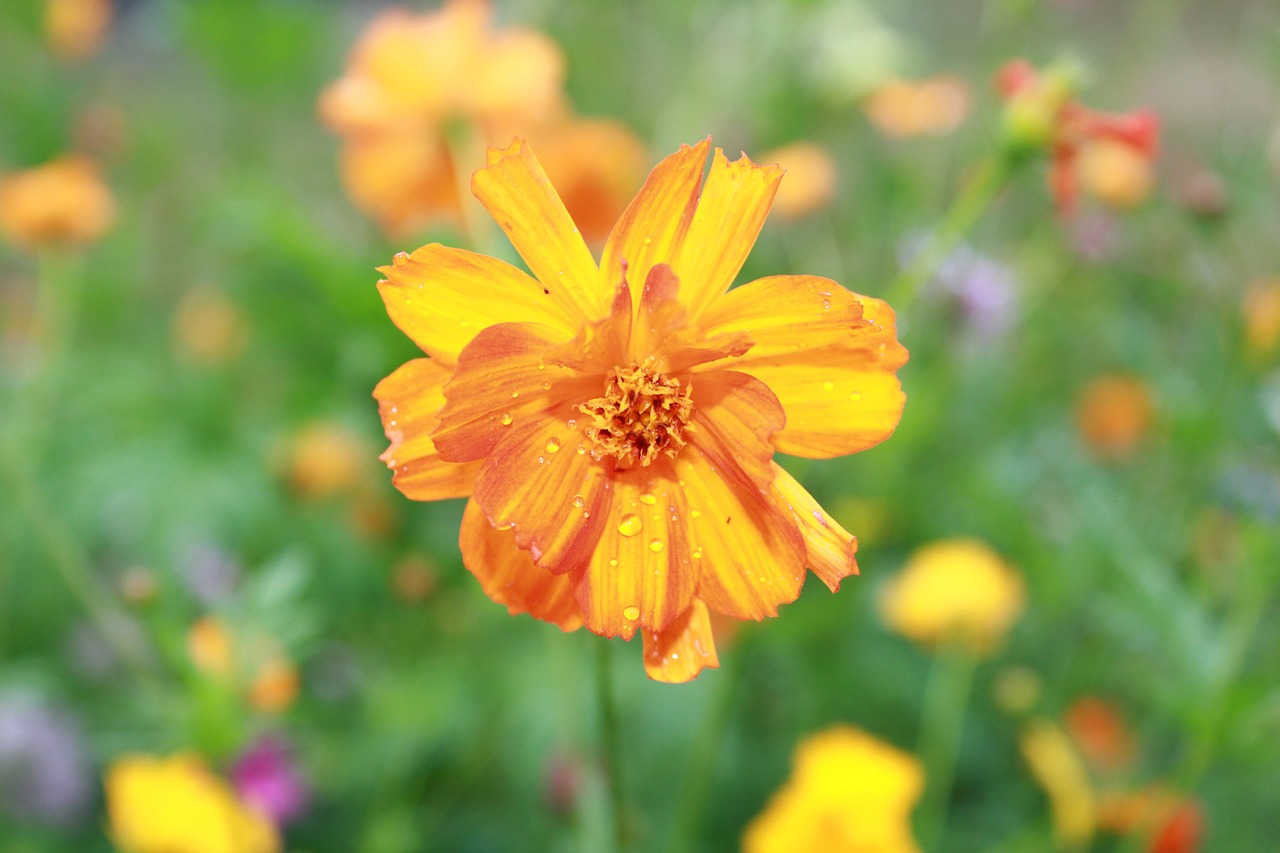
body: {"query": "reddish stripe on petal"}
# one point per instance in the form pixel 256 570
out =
pixel 508 575
pixel 734 416
pixel 684 649
pixel 829 548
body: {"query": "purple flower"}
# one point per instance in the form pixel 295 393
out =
pixel 212 575
pixel 45 775
pixel 267 777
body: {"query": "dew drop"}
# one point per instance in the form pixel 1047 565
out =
pixel 630 524
pixel 579 501
pixel 655 545
pixel 826 305
pixel 828 385
pixel 613 562
pixel 515 394
pixel 631 612
pixel 855 396
pixel 553 444
pixel 647 498
pixel 697 554
pixel 586 514
pixel 696 513
pixel 546 386
pixel 506 419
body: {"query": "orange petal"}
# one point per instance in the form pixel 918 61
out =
pixel 502 375
pixel 409 401
pixel 653 226
pixel 733 207
pixel 642 573
pixel 782 311
pixel 684 649
pixel 734 416
pixel 839 397
pixel 829 548
pixel 540 478
pixel 515 190
pixel 442 297
pixel 508 575
pixel 750 554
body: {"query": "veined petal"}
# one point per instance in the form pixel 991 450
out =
pixel 840 397
pixel 642 574
pixel 540 478
pixel 652 228
pixel 502 375
pixel 784 312
pixel 829 548
pixel 515 190
pixel 684 649
pixel 508 575
pixel 730 214
pixel 734 416
pixel 442 297
pixel 409 401
pixel 750 554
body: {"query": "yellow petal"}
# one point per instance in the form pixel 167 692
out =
pixel 734 416
pixel 409 401
pixel 515 190
pixel 785 314
pixel 508 575
pixel 829 548
pixel 750 555
pixel 730 214
pixel 517 78
pixel 643 572
pixel 684 649
pixel 442 297
pixel 653 226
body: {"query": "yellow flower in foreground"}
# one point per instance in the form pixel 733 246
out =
pixel 848 793
pixel 74 28
pixel 811 179
pixel 957 589
pixel 614 424
pixel 177 805
pixel 63 201
pixel 932 107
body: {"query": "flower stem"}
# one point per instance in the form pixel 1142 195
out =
pixel 941 729
pixel 977 194
pixel 610 747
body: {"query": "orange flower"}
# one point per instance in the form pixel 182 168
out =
pixel 932 107
pixel 74 28
pixel 1101 733
pixel 63 201
pixel 1115 172
pixel 1042 111
pixel 848 793
pixel 410 76
pixel 1113 415
pixel 1261 314
pixel 615 424
pixel 811 179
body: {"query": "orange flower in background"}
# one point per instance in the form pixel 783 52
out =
pixel 1173 822
pixel 848 793
pixel 75 28
pixel 1057 767
pixel 63 201
pixel 811 179
pixel 1261 314
pixel 1113 415
pixel 1100 731
pixel 906 108
pixel 178 805
pixel 255 662
pixel 1042 112
pixel 954 590
pixel 1116 173
pixel 614 424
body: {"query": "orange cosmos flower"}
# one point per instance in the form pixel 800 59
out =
pixel 932 107
pixel 63 201
pixel 614 424
pixel 74 29
pixel 811 179
pixel 1114 414
pixel 1042 111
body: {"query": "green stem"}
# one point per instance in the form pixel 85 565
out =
pixel 959 219
pixel 610 746
pixel 941 730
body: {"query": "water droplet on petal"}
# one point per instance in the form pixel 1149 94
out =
pixel 515 394
pixel 631 612
pixel 613 562
pixel 697 554
pixel 579 501
pixel 828 385
pixel 506 419
pixel 855 396
pixel 647 498
pixel 696 513
pixel 553 444
pixel 630 524
pixel 655 545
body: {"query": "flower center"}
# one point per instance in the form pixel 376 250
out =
pixel 641 414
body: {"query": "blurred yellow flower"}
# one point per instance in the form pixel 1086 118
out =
pixel 208 328
pixel 325 459
pixel 63 201
pixel 209 645
pixel 1115 173
pixel 1113 415
pixel 810 181
pixel 1058 769
pixel 931 107
pixel 1261 312
pixel 177 805
pixel 74 28
pixel 954 590
pixel 848 793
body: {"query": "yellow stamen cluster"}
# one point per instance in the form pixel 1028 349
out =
pixel 641 414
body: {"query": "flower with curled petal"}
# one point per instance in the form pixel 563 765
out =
pixel 614 423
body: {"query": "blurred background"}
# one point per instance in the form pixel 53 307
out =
pixel 201 555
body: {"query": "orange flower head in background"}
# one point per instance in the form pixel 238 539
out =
pixel 848 793
pixel 614 423
pixel 811 179
pixel 1260 312
pixel 1041 111
pixel 1113 415
pixel 74 29
pixel 178 805
pixel 956 590
pixel 932 107
pixel 63 201
pixel 1101 734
